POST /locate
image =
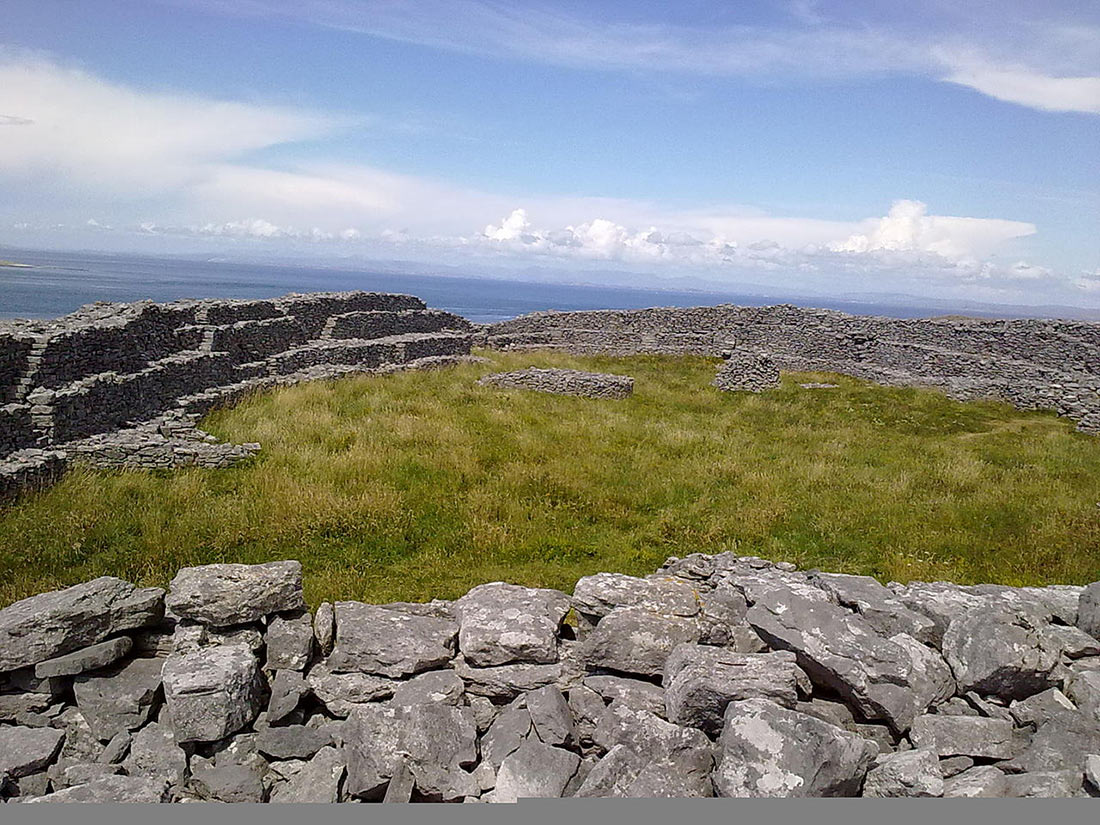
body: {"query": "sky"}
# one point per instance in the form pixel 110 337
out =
pixel 928 148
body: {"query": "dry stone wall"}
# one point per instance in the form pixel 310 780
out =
pixel 716 676
pixel 120 384
pixel 564 382
pixel 1032 364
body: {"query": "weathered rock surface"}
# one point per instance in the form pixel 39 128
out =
pixel 88 658
pixel 319 781
pixel 982 781
pixel 1010 655
pixel 1088 610
pixel 564 382
pixel 914 773
pixel 964 736
pixel 746 371
pixel 24 751
pixel 232 594
pixel 212 693
pixel 598 595
pixel 534 770
pixel 766 750
pixel 503 623
pixel 701 681
pixel 119 699
pixel 636 640
pixel 51 624
pixel 112 790
pixel 388 642
pixel 289 640
pixel 892 679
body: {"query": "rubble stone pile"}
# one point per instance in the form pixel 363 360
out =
pixel 716 676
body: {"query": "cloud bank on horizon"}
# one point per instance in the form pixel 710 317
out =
pixel 96 156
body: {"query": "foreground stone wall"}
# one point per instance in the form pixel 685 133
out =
pixel 718 675
pixel 119 384
pixel 1032 364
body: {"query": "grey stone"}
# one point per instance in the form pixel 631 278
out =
pixel 341 693
pixel 982 781
pixel 388 642
pixel 1045 784
pixel 598 595
pixel 212 693
pixel 987 707
pixel 722 619
pixel 508 731
pixel 1061 743
pixel 636 640
pixel 652 757
pixel 88 658
pixel 233 594
pixel 115 750
pixel 1074 642
pixel 324 627
pixel 51 624
pixel 766 750
pixel 401 785
pixel 292 742
pixel 289 640
pixel 155 753
pixel 287 689
pixel 1088 610
pixel 954 765
pixel 878 606
pixel 506 682
pixel 587 707
pixel 113 790
pixel 564 382
pixel 503 623
pixel 229 777
pixel 437 740
pixel 16 706
pixel 81 744
pixel 634 692
pixel 535 770
pixel 964 736
pixel 891 679
pixel 942 602
pixel 434 686
pixel 122 698
pixel 1010 655
pixel 190 636
pixel 551 716
pixel 914 773
pixel 485 712
pixel 319 781
pixel 1037 710
pixel 700 681
pixel 80 773
pixel 24 751
pixel 835 713
pixel 1083 687
pixel 1092 771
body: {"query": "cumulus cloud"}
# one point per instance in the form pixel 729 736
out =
pixel 909 228
pixel 1088 281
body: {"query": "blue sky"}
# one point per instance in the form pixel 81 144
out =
pixel 929 148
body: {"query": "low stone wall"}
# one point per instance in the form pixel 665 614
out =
pixel 718 675
pixel 746 371
pixel 564 382
pixel 100 385
pixel 1032 364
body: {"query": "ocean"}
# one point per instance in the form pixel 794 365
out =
pixel 61 282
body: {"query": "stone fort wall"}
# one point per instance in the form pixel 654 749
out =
pixel 99 383
pixel 1032 364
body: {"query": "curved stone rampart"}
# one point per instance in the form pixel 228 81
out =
pixel 716 676
pixel 1032 364
pixel 105 384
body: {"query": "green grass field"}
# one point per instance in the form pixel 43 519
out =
pixel 421 485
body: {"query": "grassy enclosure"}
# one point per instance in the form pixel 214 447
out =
pixel 421 485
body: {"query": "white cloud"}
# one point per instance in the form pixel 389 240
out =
pixel 1023 85
pixel 111 137
pixel 909 228
pixel 1088 281
pixel 830 41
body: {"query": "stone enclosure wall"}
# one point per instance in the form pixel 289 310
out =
pixel 1032 364
pixel 120 384
pixel 564 382
pixel 716 676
